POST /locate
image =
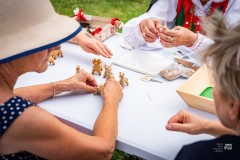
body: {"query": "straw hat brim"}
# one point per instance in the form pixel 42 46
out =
pixel 37 36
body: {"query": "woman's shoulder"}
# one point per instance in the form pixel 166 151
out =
pixel 11 110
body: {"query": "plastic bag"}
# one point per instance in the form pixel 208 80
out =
pixel 176 70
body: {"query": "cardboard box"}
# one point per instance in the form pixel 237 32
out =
pixel 191 89
pixel 100 28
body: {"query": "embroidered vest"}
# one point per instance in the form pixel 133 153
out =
pixel 186 14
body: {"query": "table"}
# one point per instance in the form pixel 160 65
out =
pixel 143 113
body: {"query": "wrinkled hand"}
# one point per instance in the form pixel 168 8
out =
pixel 112 90
pixel 82 81
pixel 186 122
pixel 177 36
pixel 149 29
pixel 92 45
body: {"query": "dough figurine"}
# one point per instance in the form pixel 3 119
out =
pixel 98 89
pixel 123 80
pixel 56 53
pixel 97 66
pixel 110 75
pixel 51 60
pixel 108 69
pixel 77 69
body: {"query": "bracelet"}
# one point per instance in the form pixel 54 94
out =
pixel 54 86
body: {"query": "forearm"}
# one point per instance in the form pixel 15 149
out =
pixel 39 93
pixel 79 37
pixel 107 122
pixel 216 129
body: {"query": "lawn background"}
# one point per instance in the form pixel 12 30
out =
pixel 122 9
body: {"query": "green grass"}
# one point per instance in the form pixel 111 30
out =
pixel 122 9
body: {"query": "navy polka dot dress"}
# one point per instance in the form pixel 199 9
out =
pixel 9 111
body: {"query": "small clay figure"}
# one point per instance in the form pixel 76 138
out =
pixel 51 60
pixel 98 89
pixel 110 75
pixel 97 66
pixel 77 69
pixel 123 80
pixel 56 53
pixel 107 70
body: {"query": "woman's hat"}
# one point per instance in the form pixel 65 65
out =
pixel 30 26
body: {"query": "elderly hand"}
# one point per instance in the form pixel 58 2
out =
pixel 149 29
pixel 112 91
pixel 177 36
pixel 92 45
pixel 186 122
pixel 82 81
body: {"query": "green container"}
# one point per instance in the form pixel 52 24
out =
pixel 207 92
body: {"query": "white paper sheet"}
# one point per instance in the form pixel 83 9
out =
pixel 146 62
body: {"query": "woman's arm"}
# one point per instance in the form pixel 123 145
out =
pixel 40 133
pixel 92 45
pixel 81 81
pixel 161 10
pixel 192 124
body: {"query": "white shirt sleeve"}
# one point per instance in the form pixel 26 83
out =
pixel 232 17
pixel 166 10
pixel 162 10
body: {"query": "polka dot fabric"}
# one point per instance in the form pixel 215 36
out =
pixel 9 111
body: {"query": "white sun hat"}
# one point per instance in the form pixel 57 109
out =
pixel 29 26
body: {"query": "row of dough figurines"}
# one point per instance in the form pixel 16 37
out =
pixel 96 67
pixel 179 68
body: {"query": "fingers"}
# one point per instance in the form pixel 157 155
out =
pixel 169 38
pixel 112 90
pixel 90 79
pixel 185 122
pixel 177 118
pixel 166 37
pixel 149 30
pixel 171 32
pixel 93 45
pixel 167 44
pixel 178 127
pixel 147 38
pixel 103 50
pixel 88 88
pixel 179 122
pixel 108 49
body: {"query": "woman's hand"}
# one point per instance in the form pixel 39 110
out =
pixel 82 81
pixel 112 91
pixel 93 45
pixel 177 36
pixel 186 122
pixel 149 29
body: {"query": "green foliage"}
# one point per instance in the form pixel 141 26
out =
pixel 122 9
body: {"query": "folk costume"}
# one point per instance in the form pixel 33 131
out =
pixel 184 13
